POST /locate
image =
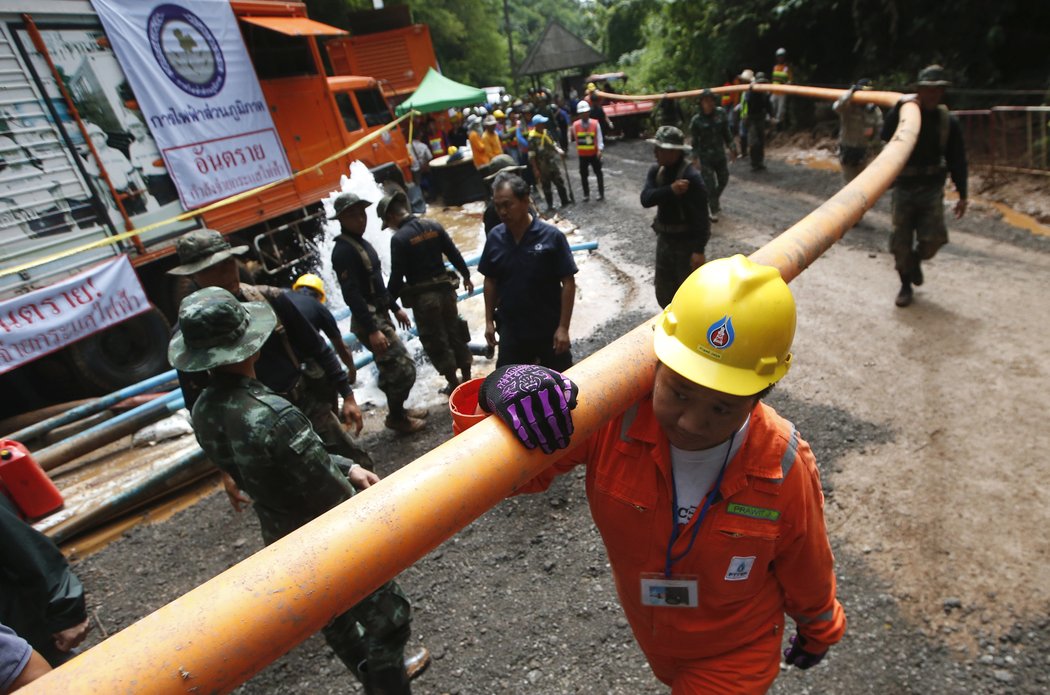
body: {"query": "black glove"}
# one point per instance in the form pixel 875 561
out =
pixel 796 654
pixel 534 402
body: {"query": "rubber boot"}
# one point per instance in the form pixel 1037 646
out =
pixel 453 382
pixel 601 188
pixel 916 271
pixel 905 295
pixel 388 681
pixel 563 196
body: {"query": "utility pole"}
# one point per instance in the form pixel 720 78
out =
pixel 510 47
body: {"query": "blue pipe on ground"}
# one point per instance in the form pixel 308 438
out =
pixel 98 405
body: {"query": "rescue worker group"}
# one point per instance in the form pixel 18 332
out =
pixel 709 502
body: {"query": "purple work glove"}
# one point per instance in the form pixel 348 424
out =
pixel 534 402
pixel 796 654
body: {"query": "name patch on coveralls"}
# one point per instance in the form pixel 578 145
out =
pixel 753 512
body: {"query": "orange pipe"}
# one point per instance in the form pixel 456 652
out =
pixel 228 629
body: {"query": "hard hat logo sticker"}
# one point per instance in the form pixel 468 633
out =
pixel 720 334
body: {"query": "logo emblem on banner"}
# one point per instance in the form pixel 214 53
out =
pixel 186 50
pixel 720 334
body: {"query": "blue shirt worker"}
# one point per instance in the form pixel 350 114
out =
pixel 530 284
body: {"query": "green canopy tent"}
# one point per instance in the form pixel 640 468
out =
pixel 436 92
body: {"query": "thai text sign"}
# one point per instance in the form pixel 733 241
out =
pixel 35 324
pixel 193 80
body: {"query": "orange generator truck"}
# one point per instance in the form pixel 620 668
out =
pixel 80 164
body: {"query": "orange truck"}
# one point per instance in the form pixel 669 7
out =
pixel 77 165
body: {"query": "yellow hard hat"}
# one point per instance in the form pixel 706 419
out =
pixel 729 327
pixel 498 113
pixel 591 86
pixel 313 282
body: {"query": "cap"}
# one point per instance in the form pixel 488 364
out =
pixel 387 201
pixel 707 93
pixel 933 76
pixel 669 138
pixel 489 120
pixel 344 201
pixel 501 162
pixel 760 78
pixel 539 119
pixel 203 248
pixel 216 329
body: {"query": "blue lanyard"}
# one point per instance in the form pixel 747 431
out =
pixel 709 498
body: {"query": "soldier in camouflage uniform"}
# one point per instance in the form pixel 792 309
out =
pixel 295 363
pixel 544 158
pixel 682 226
pixel 264 446
pixel 358 269
pixel 918 193
pixel 711 137
pixel 858 131
pixel 419 278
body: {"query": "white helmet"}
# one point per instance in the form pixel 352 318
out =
pixel 583 107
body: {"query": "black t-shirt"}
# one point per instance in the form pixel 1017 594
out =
pixel 417 252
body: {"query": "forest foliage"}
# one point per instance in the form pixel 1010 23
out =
pixel 692 43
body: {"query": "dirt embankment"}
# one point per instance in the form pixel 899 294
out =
pixel 926 423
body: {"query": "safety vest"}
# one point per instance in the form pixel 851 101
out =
pixel 437 145
pixel 586 137
pixel 781 73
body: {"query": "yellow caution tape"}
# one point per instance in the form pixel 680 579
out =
pixel 99 243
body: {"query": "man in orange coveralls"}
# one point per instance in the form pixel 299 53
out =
pixel 709 503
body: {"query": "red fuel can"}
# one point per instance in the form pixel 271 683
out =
pixel 26 482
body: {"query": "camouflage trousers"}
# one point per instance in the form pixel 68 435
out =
pixel 443 333
pixel 672 264
pixel 317 398
pixel 397 371
pixel 918 225
pixel 370 638
pixel 756 140
pixel 715 173
pixel 551 174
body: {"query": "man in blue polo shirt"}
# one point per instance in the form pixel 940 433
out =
pixel 530 286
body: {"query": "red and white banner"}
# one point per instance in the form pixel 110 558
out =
pixel 35 324
pixel 192 77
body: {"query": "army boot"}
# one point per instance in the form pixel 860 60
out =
pixel 905 295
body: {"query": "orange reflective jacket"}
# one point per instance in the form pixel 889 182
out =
pixel 586 137
pixel 770 508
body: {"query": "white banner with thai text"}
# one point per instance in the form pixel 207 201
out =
pixel 192 78
pixel 41 322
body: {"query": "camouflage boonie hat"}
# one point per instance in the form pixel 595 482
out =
pixel 216 329
pixel 706 94
pixel 933 76
pixel 203 248
pixel 387 201
pixel 669 138
pixel 344 201
pixel 501 162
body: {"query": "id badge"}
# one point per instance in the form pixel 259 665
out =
pixel 676 591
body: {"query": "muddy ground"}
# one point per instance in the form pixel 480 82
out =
pixel 928 426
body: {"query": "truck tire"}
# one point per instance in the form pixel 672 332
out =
pixel 123 354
